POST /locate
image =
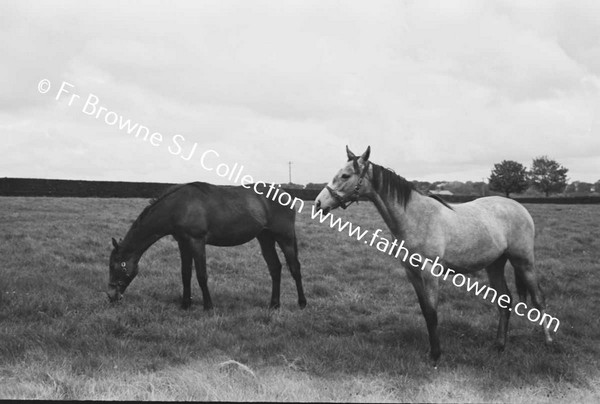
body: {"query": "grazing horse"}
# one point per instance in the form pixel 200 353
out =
pixel 466 237
pixel 197 214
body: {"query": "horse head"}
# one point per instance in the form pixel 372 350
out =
pixel 348 185
pixel 123 268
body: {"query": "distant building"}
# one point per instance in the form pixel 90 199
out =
pixel 441 192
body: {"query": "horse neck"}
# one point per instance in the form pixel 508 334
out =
pixel 393 217
pixel 143 233
pixel 400 219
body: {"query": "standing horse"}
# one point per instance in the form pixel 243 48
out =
pixel 197 214
pixel 467 237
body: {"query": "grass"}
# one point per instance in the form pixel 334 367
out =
pixel 361 338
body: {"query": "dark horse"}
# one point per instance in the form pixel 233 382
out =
pixel 466 237
pixel 197 214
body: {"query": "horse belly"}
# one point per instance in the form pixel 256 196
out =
pixel 229 240
pixel 472 262
pixel 231 228
pixel 475 248
pixel 226 236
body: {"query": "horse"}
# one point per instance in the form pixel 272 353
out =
pixel 466 237
pixel 197 214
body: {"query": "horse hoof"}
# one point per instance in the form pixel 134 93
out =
pixel 208 307
pixel 186 304
pixel 274 306
pixel 302 304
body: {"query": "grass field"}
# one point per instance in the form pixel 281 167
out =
pixel 361 337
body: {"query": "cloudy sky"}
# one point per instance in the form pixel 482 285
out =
pixel 441 91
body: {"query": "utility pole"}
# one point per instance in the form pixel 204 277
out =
pixel 290 171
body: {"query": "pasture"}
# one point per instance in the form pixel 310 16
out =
pixel 361 337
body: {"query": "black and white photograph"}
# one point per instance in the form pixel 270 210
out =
pixel 300 200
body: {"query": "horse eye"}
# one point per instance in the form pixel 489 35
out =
pixel 123 264
pixel 345 176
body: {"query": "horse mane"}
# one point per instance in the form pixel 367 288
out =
pixel 155 200
pixel 440 200
pixel 388 183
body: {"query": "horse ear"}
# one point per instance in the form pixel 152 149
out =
pixel 115 244
pixel 351 156
pixel 366 154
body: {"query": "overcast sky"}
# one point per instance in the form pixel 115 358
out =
pixel 441 91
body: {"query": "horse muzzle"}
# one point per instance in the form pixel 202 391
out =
pixel 113 293
pixel 324 209
pixel 324 201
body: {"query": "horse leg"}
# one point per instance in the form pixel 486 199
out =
pixel 198 247
pixel 267 246
pixel 527 275
pixel 495 272
pixel 521 286
pixel 427 288
pixel 289 247
pixel 186 273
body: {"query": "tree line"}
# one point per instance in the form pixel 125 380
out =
pixel 546 176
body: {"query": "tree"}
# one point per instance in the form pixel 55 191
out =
pixel 571 188
pixel 480 188
pixel 508 176
pixel 458 188
pixel 548 175
pixel 422 186
pixel 584 187
pixel 579 187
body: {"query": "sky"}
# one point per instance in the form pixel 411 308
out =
pixel 439 90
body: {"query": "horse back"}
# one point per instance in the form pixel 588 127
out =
pixel 228 215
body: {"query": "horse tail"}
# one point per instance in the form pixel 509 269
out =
pixel 521 286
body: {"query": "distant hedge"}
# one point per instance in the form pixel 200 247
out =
pixel 100 189
pixel 562 200
pixel 551 200
pixel 119 189
pixel 76 188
